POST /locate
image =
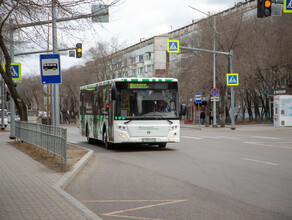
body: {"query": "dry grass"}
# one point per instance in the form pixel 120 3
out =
pixel 74 154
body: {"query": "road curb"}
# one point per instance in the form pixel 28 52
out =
pixel 67 179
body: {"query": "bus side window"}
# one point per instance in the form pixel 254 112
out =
pixel 95 98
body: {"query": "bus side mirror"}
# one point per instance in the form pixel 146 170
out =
pixel 183 109
pixel 114 93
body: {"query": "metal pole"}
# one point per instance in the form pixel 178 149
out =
pixel 232 93
pixel 2 97
pixel 214 71
pixel 12 104
pixel 48 86
pixel 2 102
pixel 56 86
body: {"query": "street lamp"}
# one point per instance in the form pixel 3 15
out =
pixel 214 63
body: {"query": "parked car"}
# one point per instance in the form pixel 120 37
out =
pixel 17 117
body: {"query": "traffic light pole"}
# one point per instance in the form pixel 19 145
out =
pixel 12 104
pixel 231 54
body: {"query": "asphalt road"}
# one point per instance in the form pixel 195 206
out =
pixel 211 174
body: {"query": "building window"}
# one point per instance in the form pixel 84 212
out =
pixel 148 68
pixel 147 56
pixel 139 59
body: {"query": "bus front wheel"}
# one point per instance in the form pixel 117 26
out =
pixel 106 143
pixel 162 145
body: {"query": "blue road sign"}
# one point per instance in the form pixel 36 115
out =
pixel 287 6
pixel 173 46
pixel 232 79
pixel 198 98
pixel 15 69
pixel 50 68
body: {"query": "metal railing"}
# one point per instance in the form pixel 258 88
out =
pixel 49 138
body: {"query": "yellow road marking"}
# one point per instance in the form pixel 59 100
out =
pixel 117 213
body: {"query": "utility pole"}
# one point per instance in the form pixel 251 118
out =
pixel 214 74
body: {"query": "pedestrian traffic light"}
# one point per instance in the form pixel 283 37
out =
pixel 264 8
pixel 78 50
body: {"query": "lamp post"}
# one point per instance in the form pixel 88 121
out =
pixel 214 63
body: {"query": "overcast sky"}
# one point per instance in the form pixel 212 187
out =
pixel 135 19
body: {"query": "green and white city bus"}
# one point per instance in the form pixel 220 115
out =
pixel 131 110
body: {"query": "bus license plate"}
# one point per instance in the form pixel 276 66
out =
pixel 148 140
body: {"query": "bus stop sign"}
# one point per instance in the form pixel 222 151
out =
pixel 50 68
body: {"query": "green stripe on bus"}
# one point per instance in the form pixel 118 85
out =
pixel 125 80
pixel 160 80
pixel 145 80
pixel 134 80
pixel 167 80
pixel 153 80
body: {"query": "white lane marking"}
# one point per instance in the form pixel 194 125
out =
pixel 211 137
pixel 268 145
pixel 74 142
pixel 271 138
pixel 227 137
pixel 197 138
pixel 258 161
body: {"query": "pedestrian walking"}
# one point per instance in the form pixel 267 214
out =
pixel 211 117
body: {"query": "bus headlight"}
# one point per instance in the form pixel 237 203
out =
pixel 123 135
pixel 173 135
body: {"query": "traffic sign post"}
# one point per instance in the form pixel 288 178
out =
pixel 50 69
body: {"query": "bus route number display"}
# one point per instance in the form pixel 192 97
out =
pixel 139 86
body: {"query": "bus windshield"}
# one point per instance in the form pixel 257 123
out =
pixel 147 104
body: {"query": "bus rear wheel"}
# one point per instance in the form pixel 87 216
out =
pixel 89 140
pixel 105 141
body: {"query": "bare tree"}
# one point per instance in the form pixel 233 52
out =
pixel 33 11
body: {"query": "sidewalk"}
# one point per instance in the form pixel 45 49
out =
pixel 26 188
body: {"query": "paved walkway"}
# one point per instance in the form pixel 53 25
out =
pixel 26 188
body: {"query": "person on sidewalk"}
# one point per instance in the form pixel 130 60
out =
pixel 211 117
pixel 202 117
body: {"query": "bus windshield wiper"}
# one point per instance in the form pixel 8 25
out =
pixel 170 122
pixel 133 119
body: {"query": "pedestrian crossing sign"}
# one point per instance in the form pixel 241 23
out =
pixel 287 6
pixel 173 46
pixel 15 69
pixel 232 79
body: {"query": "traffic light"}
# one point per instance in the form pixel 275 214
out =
pixel 7 96
pixel 78 50
pixel 264 8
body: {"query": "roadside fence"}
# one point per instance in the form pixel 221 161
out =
pixel 49 138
